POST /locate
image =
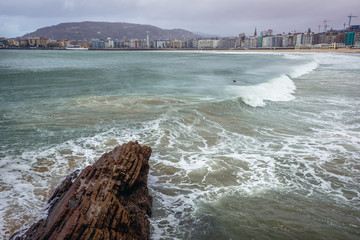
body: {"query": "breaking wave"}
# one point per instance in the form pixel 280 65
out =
pixel 279 89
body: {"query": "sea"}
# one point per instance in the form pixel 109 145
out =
pixel 246 145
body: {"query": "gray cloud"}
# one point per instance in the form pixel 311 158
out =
pixel 226 17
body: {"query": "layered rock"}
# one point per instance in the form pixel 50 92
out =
pixel 108 200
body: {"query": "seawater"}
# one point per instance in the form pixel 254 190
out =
pixel 245 145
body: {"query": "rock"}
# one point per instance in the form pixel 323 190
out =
pixel 108 200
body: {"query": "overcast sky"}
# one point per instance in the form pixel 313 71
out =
pixel 221 17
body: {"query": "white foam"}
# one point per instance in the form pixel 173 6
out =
pixel 301 70
pixel 339 61
pixel 277 89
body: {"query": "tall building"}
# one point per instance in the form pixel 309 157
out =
pixel 147 40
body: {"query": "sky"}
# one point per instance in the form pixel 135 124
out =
pixel 219 17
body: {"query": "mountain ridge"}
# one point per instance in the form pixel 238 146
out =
pixel 88 30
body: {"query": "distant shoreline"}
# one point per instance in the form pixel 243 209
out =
pixel 339 50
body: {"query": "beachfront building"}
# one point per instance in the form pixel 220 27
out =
pixel 97 43
pixel 38 42
pixel 33 41
pixel 299 39
pixel 160 44
pixel 278 41
pixel 10 42
pixel 195 43
pixel 305 40
pixel 43 43
pixel 208 43
pixel 109 43
pixel 23 43
pixel 357 37
pixel 288 41
pixel 133 43
pixel 251 42
pixel 228 42
pixel 176 44
pixel 117 43
pixel 272 41
pixel 125 44
pixel 268 42
pixel 239 43
pixel 188 44
pixel 53 44
pixel 308 38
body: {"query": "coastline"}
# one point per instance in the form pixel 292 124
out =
pixel 339 50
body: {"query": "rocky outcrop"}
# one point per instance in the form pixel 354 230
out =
pixel 108 200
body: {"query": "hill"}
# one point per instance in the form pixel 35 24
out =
pixel 103 30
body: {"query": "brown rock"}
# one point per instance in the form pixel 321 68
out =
pixel 108 200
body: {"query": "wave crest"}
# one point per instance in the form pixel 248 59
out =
pixel 304 69
pixel 277 89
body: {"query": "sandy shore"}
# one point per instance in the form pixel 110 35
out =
pixel 340 50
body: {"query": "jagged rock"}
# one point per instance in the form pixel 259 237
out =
pixel 108 200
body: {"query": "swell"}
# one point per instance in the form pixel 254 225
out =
pixel 278 89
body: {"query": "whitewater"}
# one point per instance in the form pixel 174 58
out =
pixel 245 145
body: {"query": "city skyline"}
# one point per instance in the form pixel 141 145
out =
pixel 223 18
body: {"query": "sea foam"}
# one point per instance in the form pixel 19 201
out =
pixel 299 71
pixel 277 89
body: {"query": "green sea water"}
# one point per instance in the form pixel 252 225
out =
pixel 245 145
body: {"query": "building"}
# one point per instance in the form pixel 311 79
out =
pixel 195 43
pixel 23 43
pixel 268 42
pixel 11 42
pixel 159 43
pixel 228 42
pixel 44 42
pixel 176 44
pixel 117 43
pixel 288 41
pixel 251 42
pixel 208 43
pixel 126 44
pixel 97 43
pixel 298 39
pixel 278 41
pixel 34 41
pixel 109 43
pixel 188 44
pixel 147 40
pixel 53 44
